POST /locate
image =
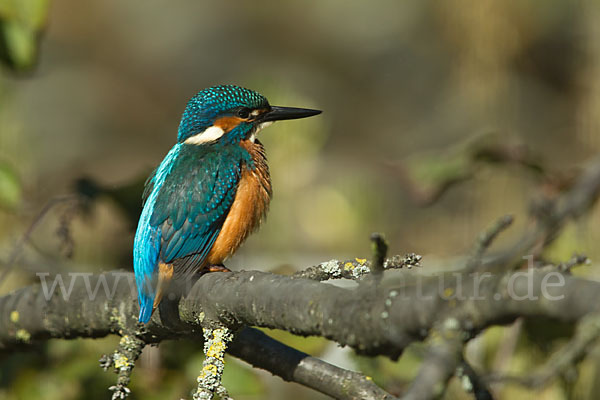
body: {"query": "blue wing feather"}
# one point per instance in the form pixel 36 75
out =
pixel 149 186
pixel 193 203
pixel 192 192
pixel 146 246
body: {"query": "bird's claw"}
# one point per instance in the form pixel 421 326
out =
pixel 218 268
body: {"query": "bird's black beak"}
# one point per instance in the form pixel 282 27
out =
pixel 281 113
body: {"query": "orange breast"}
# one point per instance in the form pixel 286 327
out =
pixel 248 209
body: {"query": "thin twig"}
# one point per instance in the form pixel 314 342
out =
pixel 485 239
pixel 216 341
pixel 575 261
pixel 444 352
pixel 123 360
pixel 379 248
pixel 586 335
pixel 18 248
pixel 355 269
pixel 472 382
pixel 571 204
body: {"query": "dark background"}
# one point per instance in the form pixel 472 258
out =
pixel 408 89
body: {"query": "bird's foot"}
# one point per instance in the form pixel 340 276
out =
pixel 218 268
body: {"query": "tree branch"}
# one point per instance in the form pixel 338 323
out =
pixel 292 365
pixel 380 322
pixel 444 353
pixel 374 320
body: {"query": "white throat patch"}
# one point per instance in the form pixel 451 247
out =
pixel 208 135
pixel 259 127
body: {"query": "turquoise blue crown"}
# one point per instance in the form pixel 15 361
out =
pixel 213 102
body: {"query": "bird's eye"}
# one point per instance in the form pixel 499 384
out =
pixel 243 112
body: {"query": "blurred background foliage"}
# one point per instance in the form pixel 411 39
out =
pixel 438 118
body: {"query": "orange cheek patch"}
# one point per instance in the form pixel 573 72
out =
pixel 228 123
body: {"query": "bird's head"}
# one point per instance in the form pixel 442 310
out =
pixel 228 114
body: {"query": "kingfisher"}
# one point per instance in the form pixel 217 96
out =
pixel 209 193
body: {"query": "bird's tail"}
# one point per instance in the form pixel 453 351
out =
pixel 150 297
pixel 146 308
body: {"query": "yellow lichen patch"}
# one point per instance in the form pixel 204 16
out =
pixel 23 335
pixel 208 370
pixel 216 350
pixel 361 260
pixel 14 317
pixel 348 266
pixel 222 334
pixel 218 344
pixel 215 345
pixel 121 361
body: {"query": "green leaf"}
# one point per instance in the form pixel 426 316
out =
pixel 10 188
pixel 20 24
pixel 21 44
